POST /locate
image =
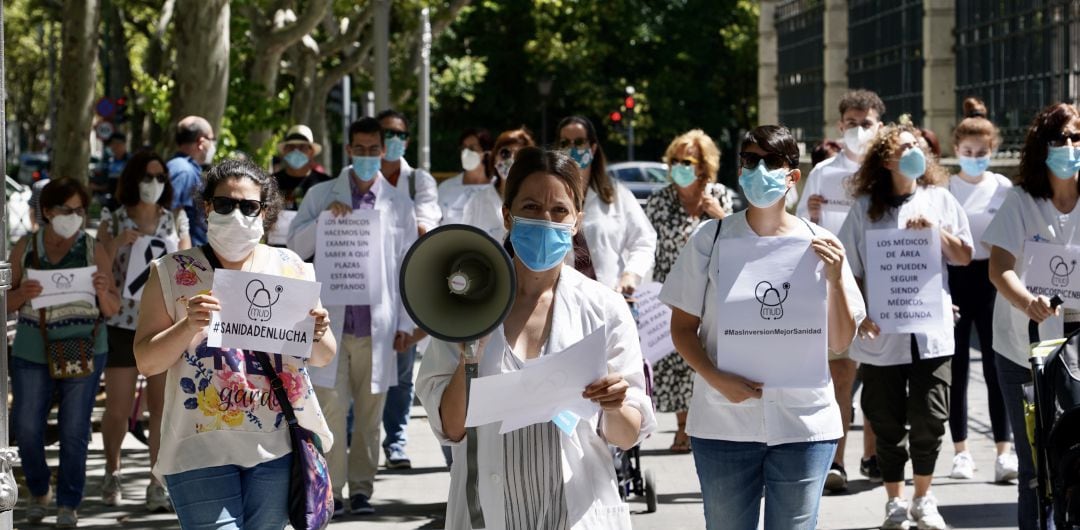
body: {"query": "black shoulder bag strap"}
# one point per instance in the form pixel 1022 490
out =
pixel 708 268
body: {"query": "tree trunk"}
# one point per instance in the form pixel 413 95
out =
pixel 79 28
pixel 201 41
pixel 153 66
pixel 304 90
pixel 115 49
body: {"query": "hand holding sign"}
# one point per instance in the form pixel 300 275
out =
pixel 199 309
pixel 63 286
pixel 904 279
pixel 261 319
pixel 735 388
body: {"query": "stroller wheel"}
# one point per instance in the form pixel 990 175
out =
pixel 650 491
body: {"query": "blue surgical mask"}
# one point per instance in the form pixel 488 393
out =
pixel 764 186
pixel 365 167
pixel 582 155
pixel 1063 161
pixel 296 159
pixel 913 163
pixel 395 149
pixel 973 165
pixel 683 175
pixel 540 245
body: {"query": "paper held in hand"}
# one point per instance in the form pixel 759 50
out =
pixel 1050 269
pixel 143 251
pixel 773 326
pixel 348 257
pixel 63 286
pixel 263 312
pixel 904 281
pixel 654 323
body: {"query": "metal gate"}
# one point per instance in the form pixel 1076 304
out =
pixel 885 39
pixel 800 80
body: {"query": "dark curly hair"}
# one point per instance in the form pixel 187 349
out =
pixel 875 179
pixel 1034 176
pixel 238 169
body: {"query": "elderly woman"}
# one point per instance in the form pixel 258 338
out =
pixel 208 455
pixel 570 482
pixel 675 212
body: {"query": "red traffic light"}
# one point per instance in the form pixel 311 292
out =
pixel 616 116
pixel 121 101
pixel 629 103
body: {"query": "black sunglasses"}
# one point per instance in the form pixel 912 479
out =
pixel 226 205
pixel 577 142
pixel 1061 138
pixel 388 134
pixel 772 160
pixel 150 177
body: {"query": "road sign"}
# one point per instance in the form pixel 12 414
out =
pixel 105 107
pixel 104 129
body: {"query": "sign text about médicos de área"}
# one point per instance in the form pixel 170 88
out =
pixel 348 256
pixel 904 279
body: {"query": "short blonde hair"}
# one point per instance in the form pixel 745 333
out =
pixel 710 154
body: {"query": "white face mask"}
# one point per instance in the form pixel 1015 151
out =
pixel 66 226
pixel 470 159
pixel 150 192
pixel 234 236
pixel 856 139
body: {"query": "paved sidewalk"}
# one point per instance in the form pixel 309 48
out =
pixel 416 498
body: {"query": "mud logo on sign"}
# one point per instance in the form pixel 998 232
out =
pixel 260 299
pixel 772 304
pixel 63 281
pixel 1060 271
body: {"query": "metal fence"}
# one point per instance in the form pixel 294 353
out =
pixel 1018 57
pixel 885 53
pixel 800 67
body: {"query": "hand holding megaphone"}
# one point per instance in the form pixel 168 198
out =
pixel 471 352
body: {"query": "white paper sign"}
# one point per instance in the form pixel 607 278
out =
pixel 279 233
pixel 541 390
pixel 263 312
pixel 654 323
pixel 143 251
pixel 1049 270
pixel 903 280
pixel 773 326
pixel 348 257
pixel 63 286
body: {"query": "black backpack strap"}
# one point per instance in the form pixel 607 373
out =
pixel 215 263
pixel 712 249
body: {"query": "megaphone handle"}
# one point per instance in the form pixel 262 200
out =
pixel 472 494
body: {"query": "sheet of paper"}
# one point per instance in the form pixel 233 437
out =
pixel 542 389
pixel 279 233
pixel 654 323
pixel 143 251
pixel 264 312
pixel 904 281
pixel 1050 269
pixel 348 257
pixel 62 286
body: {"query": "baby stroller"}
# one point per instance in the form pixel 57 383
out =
pixel 1055 366
pixel 628 472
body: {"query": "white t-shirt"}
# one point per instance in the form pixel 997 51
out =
pixel 782 415
pixel 620 236
pixel 980 202
pixel 829 179
pixel 939 207
pixel 454 194
pixel 1020 219
pixel 484 211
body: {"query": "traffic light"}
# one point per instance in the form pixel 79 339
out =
pixel 121 111
pixel 616 117
pixel 629 103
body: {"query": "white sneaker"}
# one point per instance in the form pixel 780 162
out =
pixel 110 489
pixel 924 511
pixel 157 499
pixel 963 466
pixel 1006 468
pixel 896 514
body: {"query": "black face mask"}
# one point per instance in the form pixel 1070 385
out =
pixel 896 201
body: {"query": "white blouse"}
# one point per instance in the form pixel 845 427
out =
pixel 620 236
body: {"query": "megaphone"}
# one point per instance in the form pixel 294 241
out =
pixel 457 283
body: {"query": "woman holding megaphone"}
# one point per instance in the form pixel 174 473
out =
pixel 544 476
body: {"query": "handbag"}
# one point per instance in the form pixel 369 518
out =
pixel 67 358
pixel 311 499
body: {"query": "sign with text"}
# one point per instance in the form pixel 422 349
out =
pixel 903 280
pixel 63 286
pixel 348 257
pixel 279 233
pixel 1049 269
pixel 654 323
pixel 773 325
pixel 263 312
pixel 143 251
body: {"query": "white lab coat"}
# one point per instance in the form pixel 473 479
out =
pixel 388 315
pixel 426 198
pixel 592 500
pixel 620 236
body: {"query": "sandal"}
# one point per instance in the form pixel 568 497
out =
pixel 681 444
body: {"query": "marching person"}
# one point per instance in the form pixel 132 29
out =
pixel 905 376
pixel 619 238
pixel 981 193
pixel 297 175
pixel 569 481
pixel 476 175
pixel 1041 208
pixel 196 146
pixel 208 455
pixel 62 243
pixel 747 437
pixel 144 192
pixel 675 212
pixel 372 335
pixel 484 209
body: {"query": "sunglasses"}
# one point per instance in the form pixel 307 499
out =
pixel 66 210
pixel 226 205
pixel 577 142
pixel 506 154
pixel 1062 138
pixel 388 134
pixel 772 160
pixel 688 161
pixel 150 177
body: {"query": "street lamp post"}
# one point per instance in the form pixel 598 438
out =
pixel 8 490
pixel 630 125
pixel 425 90
pixel 544 87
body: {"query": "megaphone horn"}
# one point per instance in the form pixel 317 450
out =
pixel 457 283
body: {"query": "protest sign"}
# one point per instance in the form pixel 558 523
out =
pixel 654 323
pixel 1048 271
pixel 143 251
pixel 63 286
pixel 904 281
pixel 348 257
pixel 263 312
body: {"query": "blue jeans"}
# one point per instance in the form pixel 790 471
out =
pixel 33 391
pixel 734 474
pixel 1012 378
pixel 399 400
pixel 232 497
